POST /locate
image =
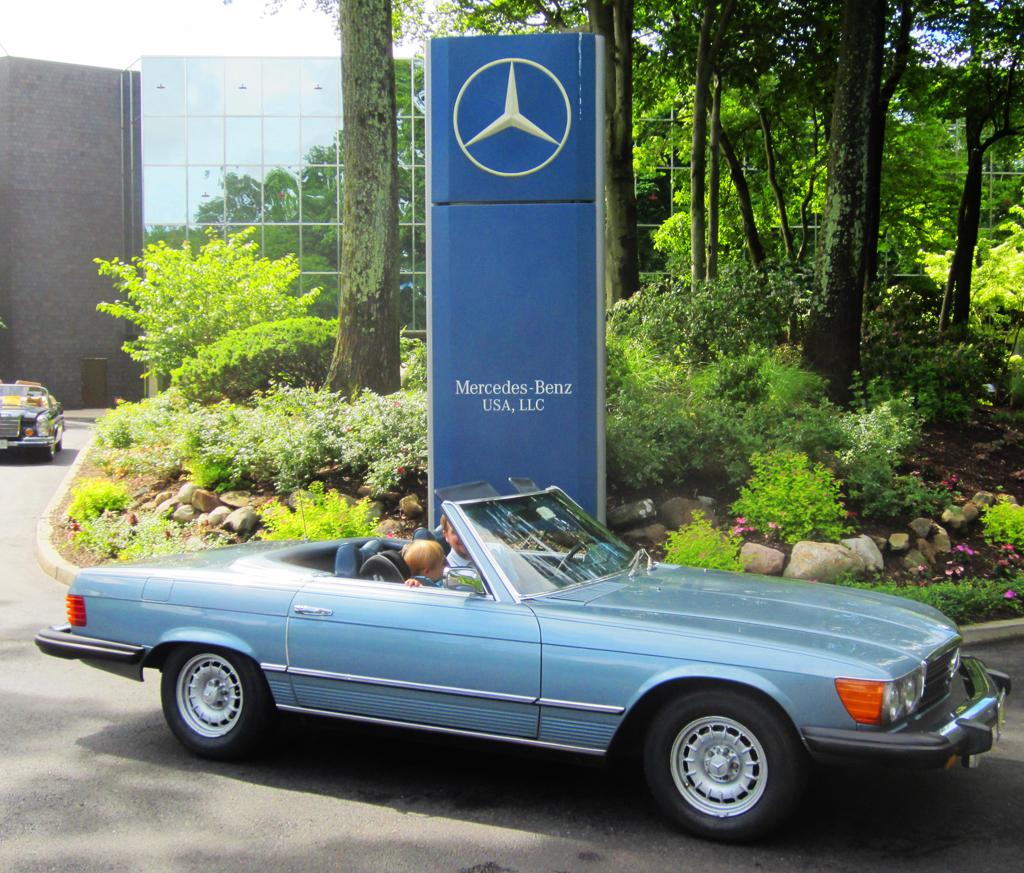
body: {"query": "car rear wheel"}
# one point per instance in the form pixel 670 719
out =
pixel 724 765
pixel 216 702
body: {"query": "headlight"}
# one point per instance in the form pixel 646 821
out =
pixel 881 703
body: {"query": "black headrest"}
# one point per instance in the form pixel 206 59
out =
pixel 388 566
pixel 347 561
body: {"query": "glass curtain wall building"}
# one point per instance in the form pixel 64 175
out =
pixel 229 144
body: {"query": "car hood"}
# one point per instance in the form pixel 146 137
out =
pixel 835 621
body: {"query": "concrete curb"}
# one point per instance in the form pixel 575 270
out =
pixel 54 565
pixel 47 556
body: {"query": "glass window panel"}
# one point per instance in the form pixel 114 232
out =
pixel 405 248
pixel 206 195
pixel 281 141
pixel 651 261
pixel 653 198
pixel 419 93
pixel 205 78
pixel 243 194
pixel 319 136
pixel 163 140
pixel 172 234
pixel 319 194
pixel 319 86
pixel 163 195
pixel 319 248
pixel 326 305
pixel 243 140
pixel 419 247
pixel 419 195
pixel 255 231
pixel 405 142
pixel 419 321
pixel 281 196
pixel 280 240
pixel 206 140
pixel 406 307
pixel 280 86
pixel 243 86
pixel 419 147
pixel 403 85
pixel 405 195
pixel 163 86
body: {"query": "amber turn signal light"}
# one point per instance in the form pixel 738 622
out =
pixel 862 699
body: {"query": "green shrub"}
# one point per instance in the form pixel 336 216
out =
pixel 803 502
pixel 129 538
pixel 295 352
pixel 414 362
pixel 94 497
pixel 698 544
pixel 1003 523
pixel 320 516
pixel 963 602
pixel 385 438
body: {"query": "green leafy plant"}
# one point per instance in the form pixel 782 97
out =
pixel 318 516
pixel 963 601
pixel 803 501
pixel 128 537
pixel 698 544
pixel 1004 523
pixel 94 497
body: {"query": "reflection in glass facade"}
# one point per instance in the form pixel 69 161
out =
pixel 230 143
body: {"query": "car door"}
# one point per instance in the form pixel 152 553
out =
pixel 424 656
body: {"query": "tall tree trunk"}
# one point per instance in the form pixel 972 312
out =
pixel 832 341
pixel 714 174
pixel 773 182
pixel 707 52
pixel 956 303
pixel 367 351
pixel 743 201
pixel 614 21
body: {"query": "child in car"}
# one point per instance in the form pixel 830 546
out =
pixel 426 561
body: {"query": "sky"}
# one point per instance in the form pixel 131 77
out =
pixel 116 33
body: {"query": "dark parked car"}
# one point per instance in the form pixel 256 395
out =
pixel 30 418
pixel 553 634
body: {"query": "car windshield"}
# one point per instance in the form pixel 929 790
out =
pixel 544 542
pixel 14 390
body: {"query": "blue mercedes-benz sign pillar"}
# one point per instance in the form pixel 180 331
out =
pixel 515 282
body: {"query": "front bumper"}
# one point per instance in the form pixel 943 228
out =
pixel 968 729
pixel 124 659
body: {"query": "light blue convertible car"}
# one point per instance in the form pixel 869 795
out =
pixel 553 634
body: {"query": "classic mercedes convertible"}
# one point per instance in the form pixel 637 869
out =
pixel 552 633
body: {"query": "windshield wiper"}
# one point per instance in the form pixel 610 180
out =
pixel 632 568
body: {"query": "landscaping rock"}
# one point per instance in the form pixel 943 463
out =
pixel 678 512
pixel 163 495
pixel 928 550
pixel 203 520
pixel 411 506
pixel 915 562
pixel 942 543
pixel 390 527
pixel 656 533
pixel 167 506
pixel 822 562
pixel 242 521
pixel 147 506
pixel 899 542
pixel 1006 498
pixel 293 499
pixel 194 544
pixel 365 491
pixel 865 548
pixel 880 542
pixel 762 560
pixel 237 499
pixel 184 514
pixel 218 516
pixel 375 510
pixel 984 498
pixel 204 501
pixel 954 517
pixel 631 515
pixel 970 512
pixel 921 526
pixel 186 491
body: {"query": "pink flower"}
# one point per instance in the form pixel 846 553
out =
pixel 773 525
pixel 741 520
pixel 1010 593
pixel 401 470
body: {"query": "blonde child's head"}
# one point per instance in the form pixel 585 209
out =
pixel 425 558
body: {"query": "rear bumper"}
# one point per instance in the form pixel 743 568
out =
pixel 968 729
pixel 122 658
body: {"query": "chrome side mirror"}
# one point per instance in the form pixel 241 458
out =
pixel 464 579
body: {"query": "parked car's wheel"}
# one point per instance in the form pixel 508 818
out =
pixel 724 765
pixel 216 702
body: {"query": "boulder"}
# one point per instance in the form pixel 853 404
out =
pixel 204 501
pixel 915 562
pixel 236 499
pixel 656 533
pixel 375 510
pixel 186 491
pixel 899 542
pixel 389 527
pixel 167 506
pixel 928 550
pixel 631 515
pixel 293 499
pixel 184 514
pixel 762 560
pixel 218 516
pixel 868 551
pixel 922 527
pixel 880 542
pixel 164 495
pixel 1006 498
pixel 822 562
pixel 677 512
pixel 970 512
pixel 242 520
pixel 411 506
pixel 941 542
pixel 984 498
pixel 954 517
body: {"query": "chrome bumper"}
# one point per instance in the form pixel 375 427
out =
pixel 967 730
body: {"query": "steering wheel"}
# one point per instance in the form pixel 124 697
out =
pixel 576 549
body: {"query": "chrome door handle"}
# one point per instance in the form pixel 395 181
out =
pixel 312 610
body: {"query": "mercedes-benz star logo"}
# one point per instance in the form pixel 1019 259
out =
pixel 512 118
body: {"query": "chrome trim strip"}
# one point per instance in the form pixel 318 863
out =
pixel 411 686
pixel 583 707
pixel 274 668
pixel 442 730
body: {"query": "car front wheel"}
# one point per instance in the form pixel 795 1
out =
pixel 724 765
pixel 216 702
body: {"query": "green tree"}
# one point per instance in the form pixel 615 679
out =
pixel 183 300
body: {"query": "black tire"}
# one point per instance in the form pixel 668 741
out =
pixel 216 702
pixel 724 765
pixel 59 445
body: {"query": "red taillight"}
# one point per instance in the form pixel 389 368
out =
pixel 76 610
